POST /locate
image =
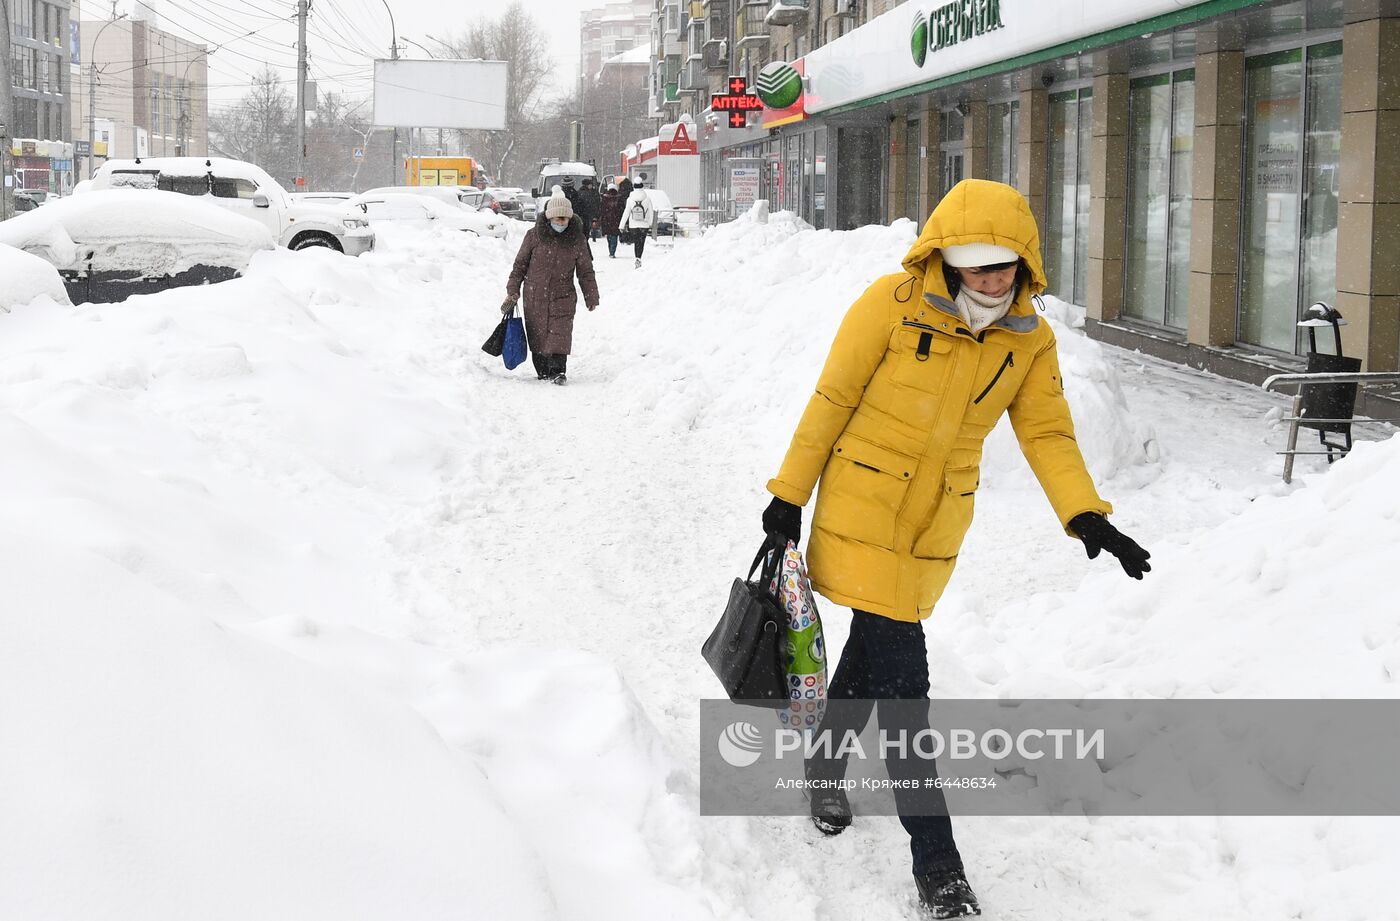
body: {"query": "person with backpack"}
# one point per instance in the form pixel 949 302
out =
pixel 610 215
pixel 553 252
pixel 923 366
pixel 638 218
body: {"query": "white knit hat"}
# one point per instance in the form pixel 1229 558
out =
pixel 558 205
pixel 971 255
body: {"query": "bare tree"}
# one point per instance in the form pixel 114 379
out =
pixel 260 128
pixel 517 38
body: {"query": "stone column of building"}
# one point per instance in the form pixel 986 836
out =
pixel 1108 191
pixel 1368 219
pixel 1216 160
pixel 894 175
pixel 1031 137
pixel 928 171
pixel 975 136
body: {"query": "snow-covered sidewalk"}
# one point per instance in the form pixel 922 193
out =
pixel 316 611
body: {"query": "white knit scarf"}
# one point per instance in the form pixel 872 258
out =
pixel 980 311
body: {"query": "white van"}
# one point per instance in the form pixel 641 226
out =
pixel 248 190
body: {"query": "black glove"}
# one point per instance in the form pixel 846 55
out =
pixel 508 306
pixel 1098 534
pixel 783 519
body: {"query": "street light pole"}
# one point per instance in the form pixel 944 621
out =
pixel 185 116
pixel 92 96
pixel 394 56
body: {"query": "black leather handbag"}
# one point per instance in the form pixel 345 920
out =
pixel 496 344
pixel 745 649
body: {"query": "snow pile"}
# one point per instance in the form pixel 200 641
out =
pixel 24 277
pixel 1278 601
pixel 153 232
pixel 209 488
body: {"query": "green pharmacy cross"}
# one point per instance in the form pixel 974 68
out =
pixel 738 102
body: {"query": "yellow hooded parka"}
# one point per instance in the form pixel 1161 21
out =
pixel 904 402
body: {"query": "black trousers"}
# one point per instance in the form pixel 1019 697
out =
pixel 639 242
pixel 547 365
pixel 885 660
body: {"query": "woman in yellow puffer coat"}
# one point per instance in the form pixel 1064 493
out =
pixel 923 366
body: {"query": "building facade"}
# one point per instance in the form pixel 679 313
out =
pixel 41 150
pixel 609 31
pixel 150 89
pixel 1202 173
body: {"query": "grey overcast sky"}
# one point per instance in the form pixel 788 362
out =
pixel 343 37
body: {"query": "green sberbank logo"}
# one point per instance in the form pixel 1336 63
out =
pixel 952 23
pixel 779 85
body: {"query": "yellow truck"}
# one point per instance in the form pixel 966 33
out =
pixel 454 171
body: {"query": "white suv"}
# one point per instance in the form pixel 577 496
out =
pixel 247 190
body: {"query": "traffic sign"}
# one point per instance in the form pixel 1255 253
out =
pixel 357 153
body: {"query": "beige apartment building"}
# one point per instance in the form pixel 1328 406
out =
pixel 149 95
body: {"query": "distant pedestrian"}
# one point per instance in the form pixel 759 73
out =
pixel 552 253
pixel 609 215
pixel 590 203
pixel 638 218
pixel 570 192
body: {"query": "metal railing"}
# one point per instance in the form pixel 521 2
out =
pixel 1298 418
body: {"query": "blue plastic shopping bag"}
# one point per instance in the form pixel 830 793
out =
pixel 516 351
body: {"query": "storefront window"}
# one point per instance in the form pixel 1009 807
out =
pixel 792 174
pixel 1322 160
pixel 1161 128
pixel 1292 153
pixel 1001 141
pixel 952 150
pixel 1067 218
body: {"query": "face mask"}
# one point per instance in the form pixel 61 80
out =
pixel 556 228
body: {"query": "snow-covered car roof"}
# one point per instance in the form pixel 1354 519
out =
pixel 192 166
pixel 448 194
pixel 567 169
pixel 145 230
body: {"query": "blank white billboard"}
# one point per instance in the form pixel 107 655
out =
pixel 440 94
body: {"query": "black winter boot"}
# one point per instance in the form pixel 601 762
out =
pixel 946 894
pixel 831 811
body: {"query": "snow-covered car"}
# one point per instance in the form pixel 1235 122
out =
pixel 503 202
pixel 321 198
pixel 466 197
pixel 246 189
pixel 109 245
pixel 24 277
pixel 424 212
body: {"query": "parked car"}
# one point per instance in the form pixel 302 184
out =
pixel 465 197
pixel 425 211
pixel 321 198
pixel 24 203
pixel 37 196
pixel 529 211
pixel 109 245
pixel 247 190
pixel 503 202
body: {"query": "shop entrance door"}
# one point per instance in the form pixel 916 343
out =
pixel 954 157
